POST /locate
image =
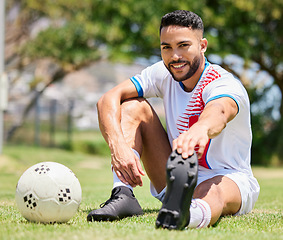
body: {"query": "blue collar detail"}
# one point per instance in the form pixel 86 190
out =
pixel 205 66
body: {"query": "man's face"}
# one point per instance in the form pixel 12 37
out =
pixel 181 51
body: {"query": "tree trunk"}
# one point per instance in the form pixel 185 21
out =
pixel 59 74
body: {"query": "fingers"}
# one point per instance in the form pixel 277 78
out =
pixel 201 149
pixel 187 142
pixel 135 176
pixel 139 166
pixel 120 176
pixel 129 173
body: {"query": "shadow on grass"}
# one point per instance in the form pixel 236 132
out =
pixel 150 211
pixel 145 210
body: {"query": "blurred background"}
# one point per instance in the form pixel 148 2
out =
pixel 58 58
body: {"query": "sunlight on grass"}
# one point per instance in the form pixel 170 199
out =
pixel 264 222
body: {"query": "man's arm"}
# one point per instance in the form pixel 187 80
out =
pixel 125 163
pixel 216 114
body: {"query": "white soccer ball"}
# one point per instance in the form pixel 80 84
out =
pixel 48 192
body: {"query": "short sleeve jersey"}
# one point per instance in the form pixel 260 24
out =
pixel 231 148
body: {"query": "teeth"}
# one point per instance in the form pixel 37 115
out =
pixel 178 66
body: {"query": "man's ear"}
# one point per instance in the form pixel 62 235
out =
pixel 203 45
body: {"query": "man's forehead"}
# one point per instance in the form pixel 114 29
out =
pixel 174 31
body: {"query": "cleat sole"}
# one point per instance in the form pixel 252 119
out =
pixel 181 182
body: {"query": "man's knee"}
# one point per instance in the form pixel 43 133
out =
pixel 209 189
pixel 137 109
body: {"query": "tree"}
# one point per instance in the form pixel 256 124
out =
pixel 80 33
pixel 253 30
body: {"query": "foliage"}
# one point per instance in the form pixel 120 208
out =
pixel 253 30
pixel 130 28
pixel 69 45
pixel 248 30
pixel 80 33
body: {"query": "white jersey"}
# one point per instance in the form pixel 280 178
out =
pixel 231 148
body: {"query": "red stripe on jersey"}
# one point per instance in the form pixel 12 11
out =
pixel 194 109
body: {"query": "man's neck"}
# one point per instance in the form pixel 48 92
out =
pixel 190 83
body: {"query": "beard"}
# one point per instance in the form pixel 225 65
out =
pixel 194 65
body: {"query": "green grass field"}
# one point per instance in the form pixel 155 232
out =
pixel 264 222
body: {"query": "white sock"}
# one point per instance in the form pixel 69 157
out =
pixel 116 181
pixel 160 196
pixel 200 214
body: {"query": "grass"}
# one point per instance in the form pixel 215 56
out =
pixel 264 222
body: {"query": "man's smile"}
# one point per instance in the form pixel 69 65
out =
pixel 178 65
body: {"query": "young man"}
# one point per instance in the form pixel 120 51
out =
pixel 208 174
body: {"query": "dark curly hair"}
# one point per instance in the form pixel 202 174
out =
pixel 182 18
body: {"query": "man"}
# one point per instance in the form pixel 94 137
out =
pixel 208 174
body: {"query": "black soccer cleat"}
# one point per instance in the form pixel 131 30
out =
pixel 181 181
pixel 121 204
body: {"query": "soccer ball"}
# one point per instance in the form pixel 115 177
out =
pixel 48 192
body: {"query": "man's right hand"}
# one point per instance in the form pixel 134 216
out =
pixel 127 166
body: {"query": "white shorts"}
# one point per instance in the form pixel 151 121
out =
pixel 247 184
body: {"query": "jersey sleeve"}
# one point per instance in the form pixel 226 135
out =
pixel 226 86
pixel 151 81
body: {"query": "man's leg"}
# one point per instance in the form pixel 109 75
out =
pixel 215 197
pixel 145 134
pixel 222 195
pixel 181 174
pixel 184 205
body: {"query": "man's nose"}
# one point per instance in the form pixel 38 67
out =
pixel 176 55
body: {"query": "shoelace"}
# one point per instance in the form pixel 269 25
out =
pixel 112 198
